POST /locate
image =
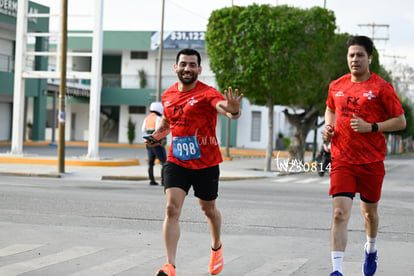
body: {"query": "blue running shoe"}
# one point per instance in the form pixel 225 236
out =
pixel 370 264
pixel 336 273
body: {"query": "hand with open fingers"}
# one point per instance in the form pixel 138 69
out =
pixel 359 125
pixel 233 100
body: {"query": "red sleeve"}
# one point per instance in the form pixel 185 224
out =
pixel 215 97
pixel 330 100
pixel 391 101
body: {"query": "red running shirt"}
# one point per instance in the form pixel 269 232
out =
pixel 194 113
pixel 373 100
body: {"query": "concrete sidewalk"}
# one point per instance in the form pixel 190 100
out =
pixel 116 162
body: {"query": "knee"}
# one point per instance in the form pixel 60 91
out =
pixel 209 211
pixel 370 215
pixel 172 211
pixel 340 215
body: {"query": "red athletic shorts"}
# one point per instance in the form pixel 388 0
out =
pixel 365 179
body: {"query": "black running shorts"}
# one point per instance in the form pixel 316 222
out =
pixel 204 181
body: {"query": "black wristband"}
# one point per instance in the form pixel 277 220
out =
pixel 374 127
pixel 235 114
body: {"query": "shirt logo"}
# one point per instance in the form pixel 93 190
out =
pixel 340 94
pixel 167 103
pixel 192 101
pixel 369 95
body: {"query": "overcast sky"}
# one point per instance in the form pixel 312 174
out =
pixel 192 15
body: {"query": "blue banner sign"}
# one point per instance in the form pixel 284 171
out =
pixel 179 40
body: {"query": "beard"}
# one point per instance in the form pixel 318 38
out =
pixel 187 80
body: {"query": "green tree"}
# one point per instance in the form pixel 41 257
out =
pixel 275 55
pixel 402 77
pixel 142 78
pixel 409 117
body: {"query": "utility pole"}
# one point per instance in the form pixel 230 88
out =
pixel 395 57
pixel 160 53
pixel 395 68
pixel 373 27
pixel 62 88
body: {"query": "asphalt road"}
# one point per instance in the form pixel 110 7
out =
pixel 273 226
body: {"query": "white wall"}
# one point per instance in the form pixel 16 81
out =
pixel 81 112
pixel 138 119
pixel 245 125
pixel 81 123
pixel 123 123
pixel 280 125
pixel 130 68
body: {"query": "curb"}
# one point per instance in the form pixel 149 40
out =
pixel 76 143
pixel 46 175
pixel 124 177
pixel 70 162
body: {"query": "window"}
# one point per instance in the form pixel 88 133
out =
pixel 6 55
pixel 256 126
pixel 6 63
pixel 135 109
pixel 139 55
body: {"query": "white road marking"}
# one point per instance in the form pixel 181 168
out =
pixel 18 248
pixel 29 265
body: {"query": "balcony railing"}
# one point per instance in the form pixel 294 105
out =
pixel 133 81
pixel 111 81
pixel 72 83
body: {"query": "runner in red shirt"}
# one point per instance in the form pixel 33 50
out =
pixel 373 100
pixel 193 113
pixel 360 106
pixel 190 114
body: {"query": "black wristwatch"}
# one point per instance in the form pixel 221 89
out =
pixel 374 127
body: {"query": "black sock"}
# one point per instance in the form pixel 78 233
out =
pixel 216 248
